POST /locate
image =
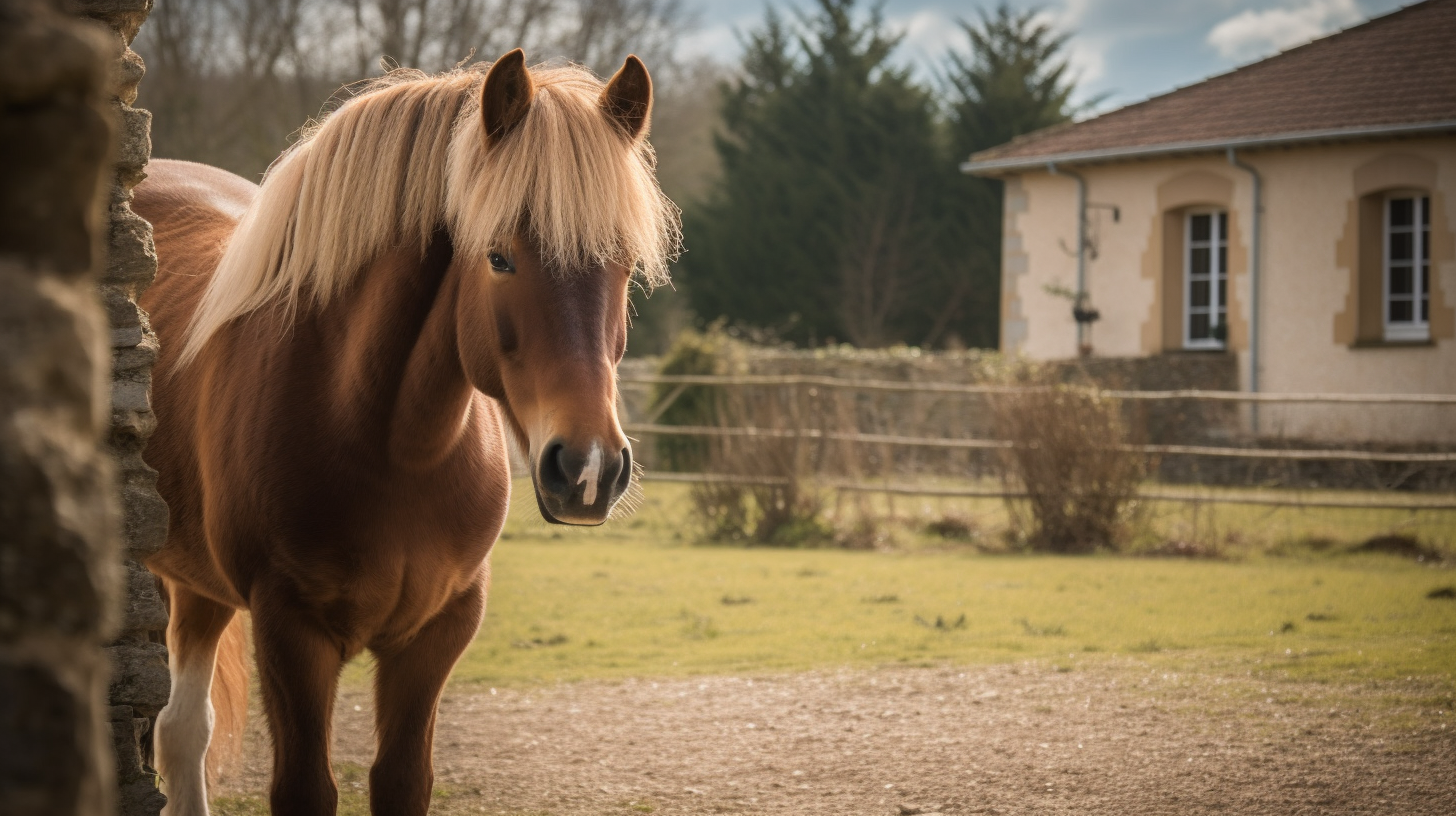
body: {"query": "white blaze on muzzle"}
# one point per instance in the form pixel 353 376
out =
pixel 591 474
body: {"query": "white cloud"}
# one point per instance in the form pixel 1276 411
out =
pixel 928 32
pixel 1252 34
pixel 1086 53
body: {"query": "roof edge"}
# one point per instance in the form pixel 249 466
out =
pixel 992 166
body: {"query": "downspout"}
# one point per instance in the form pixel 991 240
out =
pixel 1254 255
pixel 1082 327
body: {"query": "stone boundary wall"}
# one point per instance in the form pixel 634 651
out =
pixel 140 683
pixel 59 576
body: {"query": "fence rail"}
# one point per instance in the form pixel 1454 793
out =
pixel 1000 444
pixel 943 491
pixel 1206 493
pixel 957 388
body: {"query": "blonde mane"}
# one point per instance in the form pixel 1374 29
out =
pixel 408 156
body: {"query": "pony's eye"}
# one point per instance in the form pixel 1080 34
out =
pixel 500 263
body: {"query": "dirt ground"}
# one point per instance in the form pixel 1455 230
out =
pixel 999 740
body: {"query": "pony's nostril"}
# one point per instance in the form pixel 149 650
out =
pixel 552 476
pixel 624 478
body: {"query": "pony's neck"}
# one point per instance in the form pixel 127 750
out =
pixel 398 363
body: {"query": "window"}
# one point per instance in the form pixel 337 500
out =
pixel 1407 268
pixel 1205 275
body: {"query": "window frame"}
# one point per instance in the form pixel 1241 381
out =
pixel 1218 246
pixel 1416 330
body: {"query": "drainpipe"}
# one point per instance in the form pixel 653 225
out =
pixel 1258 219
pixel 1083 346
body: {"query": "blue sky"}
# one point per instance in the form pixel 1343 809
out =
pixel 1124 50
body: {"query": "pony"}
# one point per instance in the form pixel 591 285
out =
pixel 442 263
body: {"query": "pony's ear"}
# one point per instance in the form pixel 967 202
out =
pixel 506 96
pixel 627 99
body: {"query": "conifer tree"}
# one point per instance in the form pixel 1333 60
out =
pixel 1012 81
pixel 841 212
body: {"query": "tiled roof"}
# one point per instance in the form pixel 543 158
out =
pixel 1396 70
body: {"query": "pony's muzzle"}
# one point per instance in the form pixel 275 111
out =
pixel 580 486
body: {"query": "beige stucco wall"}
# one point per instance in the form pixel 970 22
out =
pixel 1311 340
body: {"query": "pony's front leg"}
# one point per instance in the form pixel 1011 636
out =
pixel 184 728
pixel 408 682
pixel 298 666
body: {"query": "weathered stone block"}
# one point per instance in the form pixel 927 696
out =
pixel 131 264
pixel 145 610
pixel 137 792
pixel 127 73
pixel 131 396
pixel 121 312
pixel 134 127
pixel 145 514
pixel 137 360
pixel 139 676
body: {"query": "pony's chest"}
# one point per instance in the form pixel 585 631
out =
pixel 375 590
pixel 378 564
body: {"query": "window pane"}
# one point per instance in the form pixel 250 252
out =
pixel 1425 310
pixel 1223 226
pixel 1198 294
pixel 1223 292
pixel 1426 242
pixel 1425 212
pixel 1223 263
pixel 1401 212
pixel 1402 244
pixel 1198 261
pixel 1198 327
pixel 1198 227
pixel 1400 311
pixel 1400 280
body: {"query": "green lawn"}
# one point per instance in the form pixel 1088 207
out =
pixel 639 597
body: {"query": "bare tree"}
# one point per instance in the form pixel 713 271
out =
pixel 231 80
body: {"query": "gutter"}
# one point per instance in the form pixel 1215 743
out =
pixel 1257 216
pixel 1081 249
pixel 993 166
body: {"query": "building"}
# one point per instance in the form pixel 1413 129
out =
pixel 1295 213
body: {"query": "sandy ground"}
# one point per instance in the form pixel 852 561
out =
pixel 1001 740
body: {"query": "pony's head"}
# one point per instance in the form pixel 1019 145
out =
pixel 546 184
pixel 554 207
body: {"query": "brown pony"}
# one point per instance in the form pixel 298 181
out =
pixel 445 260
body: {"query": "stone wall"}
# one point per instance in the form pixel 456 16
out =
pixel 59 581
pixel 139 681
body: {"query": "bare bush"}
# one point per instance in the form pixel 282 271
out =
pixel 781 504
pixel 761 485
pixel 1069 456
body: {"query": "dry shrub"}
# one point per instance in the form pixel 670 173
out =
pixel 762 487
pixel 1067 455
pixel 952 527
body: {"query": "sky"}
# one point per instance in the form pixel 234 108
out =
pixel 1122 51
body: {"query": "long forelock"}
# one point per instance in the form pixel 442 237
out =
pixel 408 155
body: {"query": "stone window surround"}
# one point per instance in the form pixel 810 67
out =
pixel 1360 250
pixel 1164 259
